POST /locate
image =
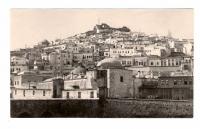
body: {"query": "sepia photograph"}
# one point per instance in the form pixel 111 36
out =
pixel 101 63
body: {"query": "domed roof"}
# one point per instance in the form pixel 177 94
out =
pixel 79 70
pixel 109 63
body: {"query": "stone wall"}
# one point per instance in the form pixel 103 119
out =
pixel 54 108
pixel 110 108
pixel 147 108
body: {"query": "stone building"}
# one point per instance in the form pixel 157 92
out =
pixel 154 60
pixel 168 87
pixel 80 84
pixel 27 85
pixel 77 85
pixel 37 90
pixel 175 87
pixel 17 60
pixel 113 80
pixel 18 68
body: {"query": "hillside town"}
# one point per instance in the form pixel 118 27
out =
pixel 104 62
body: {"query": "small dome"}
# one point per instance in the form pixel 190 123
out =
pixel 109 63
pixel 79 70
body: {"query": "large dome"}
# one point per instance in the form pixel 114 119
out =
pixel 79 70
pixel 108 63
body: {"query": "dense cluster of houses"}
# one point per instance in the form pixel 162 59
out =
pixel 104 62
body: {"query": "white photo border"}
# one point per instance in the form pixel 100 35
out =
pixel 87 123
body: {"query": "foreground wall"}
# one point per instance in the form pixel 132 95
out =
pixel 95 108
pixel 54 108
pixel 148 108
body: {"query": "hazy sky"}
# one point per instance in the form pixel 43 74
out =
pixel 29 26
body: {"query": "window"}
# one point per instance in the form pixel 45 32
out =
pixel 79 94
pixel 190 82
pixel 24 93
pixel 167 82
pixel 44 93
pixel 185 82
pixel 123 62
pixel 67 95
pixel 92 94
pixel 136 63
pixel 121 79
pixel 151 63
pixel 15 92
pixel 165 64
pixel 175 82
pixel 33 92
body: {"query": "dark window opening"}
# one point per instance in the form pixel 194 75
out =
pixel 92 94
pixel 121 79
pixel 43 92
pixel 24 93
pixel 67 94
pixel 175 82
pixel 185 82
pixel 79 94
